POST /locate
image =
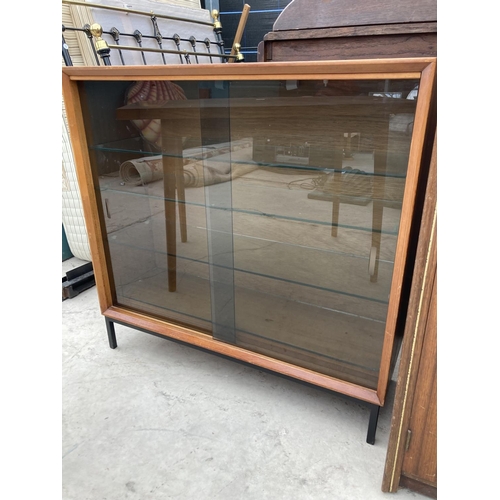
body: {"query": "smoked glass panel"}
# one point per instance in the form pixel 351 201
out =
pixel 140 204
pixel 265 213
pixel 315 225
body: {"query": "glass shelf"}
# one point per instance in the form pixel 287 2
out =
pixel 352 288
pixel 295 207
pixel 134 146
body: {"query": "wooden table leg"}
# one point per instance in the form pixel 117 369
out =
pixel 181 198
pixel 172 150
pixel 377 215
pixel 338 156
pixel 379 168
pixel 337 179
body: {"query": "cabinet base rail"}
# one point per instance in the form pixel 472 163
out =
pixel 374 409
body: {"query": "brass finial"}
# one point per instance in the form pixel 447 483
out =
pixel 96 31
pixel 239 56
pixel 217 23
pixel 101 46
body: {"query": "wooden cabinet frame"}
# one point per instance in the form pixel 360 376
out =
pixel 423 69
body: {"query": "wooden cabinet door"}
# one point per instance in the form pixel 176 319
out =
pixel 412 451
pixel 419 469
pixel 420 460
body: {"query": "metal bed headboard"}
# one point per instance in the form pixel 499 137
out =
pixel 188 49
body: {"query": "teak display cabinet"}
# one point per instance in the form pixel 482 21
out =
pixel 261 211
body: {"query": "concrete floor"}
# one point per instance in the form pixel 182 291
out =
pixel 153 419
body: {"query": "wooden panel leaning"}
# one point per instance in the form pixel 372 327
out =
pixel 412 451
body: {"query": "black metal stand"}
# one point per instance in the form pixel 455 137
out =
pixel 372 425
pixel 110 327
pixel 374 409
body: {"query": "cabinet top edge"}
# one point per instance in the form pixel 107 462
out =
pixel 398 67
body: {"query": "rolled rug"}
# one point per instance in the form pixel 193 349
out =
pixel 201 167
pixel 141 171
pixel 217 169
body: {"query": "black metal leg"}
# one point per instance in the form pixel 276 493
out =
pixel 372 425
pixel 111 333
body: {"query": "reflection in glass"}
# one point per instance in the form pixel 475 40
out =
pixel 264 213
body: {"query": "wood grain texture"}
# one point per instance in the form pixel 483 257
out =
pixel 352 31
pixel 417 351
pixel 352 48
pixel 401 68
pixel 93 219
pixel 301 14
pixel 420 460
pixel 341 30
